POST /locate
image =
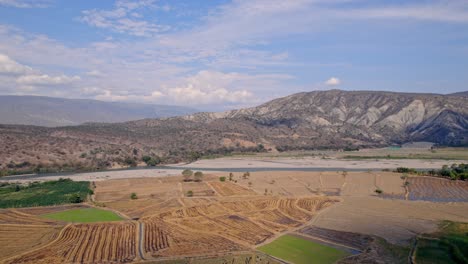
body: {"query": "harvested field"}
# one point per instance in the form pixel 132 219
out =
pixel 120 190
pixel 87 243
pixel 12 216
pixel 19 238
pixel 230 189
pixel 172 240
pixel 395 220
pixel 437 190
pixel 242 221
pixel 198 189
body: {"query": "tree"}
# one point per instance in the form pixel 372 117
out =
pixel 222 179
pixel 198 176
pixel 378 191
pixel 231 176
pixel 133 196
pixel 187 174
pixel 17 188
pixel 151 161
pixel 190 193
pixel 246 175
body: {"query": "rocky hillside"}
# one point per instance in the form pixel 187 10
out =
pixel 50 112
pixel 314 120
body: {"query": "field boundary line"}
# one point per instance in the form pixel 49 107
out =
pixel 38 248
pixel 325 240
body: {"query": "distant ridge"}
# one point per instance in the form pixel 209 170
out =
pixel 464 94
pixel 51 111
pixel 332 119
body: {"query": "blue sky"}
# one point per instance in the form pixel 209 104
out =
pixel 223 54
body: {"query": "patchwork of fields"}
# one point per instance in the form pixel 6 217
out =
pixel 164 224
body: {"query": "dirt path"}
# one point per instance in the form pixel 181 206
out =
pixel 140 244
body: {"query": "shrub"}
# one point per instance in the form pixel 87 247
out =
pixel 222 179
pixel 76 198
pixel 378 191
pixel 187 174
pixel 189 193
pixel 133 196
pixel 406 170
pixel 198 176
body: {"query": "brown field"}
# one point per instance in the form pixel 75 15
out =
pixel 235 217
pixel 13 216
pixel 230 189
pixel 234 224
pixel 87 243
pixel 18 238
pixel 437 190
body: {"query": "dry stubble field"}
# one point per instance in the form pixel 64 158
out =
pixel 230 217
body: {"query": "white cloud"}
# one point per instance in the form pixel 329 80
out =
pixel 26 3
pixel 45 79
pixel 445 11
pixel 95 73
pixel 124 18
pixel 9 66
pixel 333 81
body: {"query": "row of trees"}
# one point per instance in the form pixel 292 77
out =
pixel 453 172
pixel 190 176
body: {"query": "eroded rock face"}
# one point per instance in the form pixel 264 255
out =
pixel 371 117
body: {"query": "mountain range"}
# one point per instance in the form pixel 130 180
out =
pixel 51 112
pixel 310 120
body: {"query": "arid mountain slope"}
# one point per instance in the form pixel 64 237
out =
pixel 50 112
pixel 320 119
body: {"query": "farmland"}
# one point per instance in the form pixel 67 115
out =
pixel 334 213
pixel 445 246
pixel 302 251
pixel 43 194
pixel 84 215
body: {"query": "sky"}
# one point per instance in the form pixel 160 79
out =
pixel 219 54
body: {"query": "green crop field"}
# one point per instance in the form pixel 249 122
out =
pixel 42 194
pixel 446 246
pixel 301 251
pixel 84 215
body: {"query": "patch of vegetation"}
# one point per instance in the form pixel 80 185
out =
pixel 392 253
pixel 57 192
pixel 378 191
pixel 222 179
pixel 446 246
pixel 151 161
pixel 301 251
pixel 198 176
pixel 133 196
pixel 187 174
pixel 84 215
pixel 453 172
pixel 190 193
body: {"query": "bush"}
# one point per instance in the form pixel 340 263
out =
pixel 151 161
pixel 222 179
pixel 133 196
pixel 130 162
pixel 378 191
pixel 187 174
pixel 190 193
pixel 76 198
pixel 198 176
pixel 406 170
